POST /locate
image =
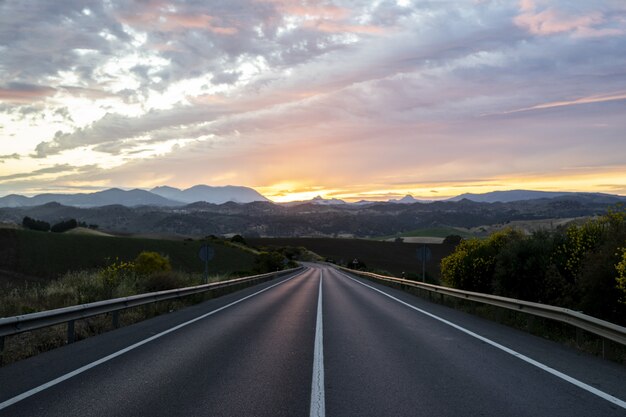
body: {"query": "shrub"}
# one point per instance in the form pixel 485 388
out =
pixel 621 275
pixel 269 262
pixel 147 263
pixel 164 280
pixel 521 266
pixel 238 239
pixel 452 239
pixel 582 266
pixel 112 276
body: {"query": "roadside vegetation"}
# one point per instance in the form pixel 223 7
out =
pixel 149 271
pixel 108 273
pixel 580 266
pixel 42 256
pixel 440 232
pixel 44 270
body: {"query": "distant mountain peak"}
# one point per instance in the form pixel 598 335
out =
pixel 509 196
pixel 157 196
pixel 324 201
pixel 407 199
pixel 210 194
pixel 164 188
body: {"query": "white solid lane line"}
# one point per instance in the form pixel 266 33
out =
pixel 318 405
pixel 571 380
pixel 107 358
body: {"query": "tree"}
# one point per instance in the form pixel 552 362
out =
pixel 64 226
pixel 33 224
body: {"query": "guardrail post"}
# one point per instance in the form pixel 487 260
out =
pixel 579 336
pixel 71 336
pixel 115 318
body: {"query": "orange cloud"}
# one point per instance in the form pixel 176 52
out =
pixel 583 100
pixel 330 26
pixel 157 16
pixel 551 21
pixel 323 18
pixel 173 22
pixel 25 93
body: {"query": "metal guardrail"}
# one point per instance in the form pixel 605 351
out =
pixel 579 320
pixel 18 324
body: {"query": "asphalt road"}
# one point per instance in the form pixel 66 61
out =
pixel 270 350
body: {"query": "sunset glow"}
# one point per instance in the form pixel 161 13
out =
pixel 349 100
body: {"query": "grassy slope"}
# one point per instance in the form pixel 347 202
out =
pixel 50 254
pixel 385 256
pixel 432 232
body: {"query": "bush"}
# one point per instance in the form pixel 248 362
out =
pixel 621 275
pixel 581 267
pixel 147 263
pixel 238 239
pixel 472 265
pixel 114 275
pixel 452 239
pixel 520 267
pixel 160 281
pixel 269 262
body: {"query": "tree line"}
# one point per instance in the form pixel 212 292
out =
pixel 60 227
pixel 581 266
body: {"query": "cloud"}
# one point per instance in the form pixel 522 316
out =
pixel 36 173
pixel 338 92
pixel 602 98
pixel 23 93
pixel 545 21
pixel 15 156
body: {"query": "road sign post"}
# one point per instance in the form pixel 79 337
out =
pixel 205 254
pixel 424 254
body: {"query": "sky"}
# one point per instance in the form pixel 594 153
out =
pixel 344 99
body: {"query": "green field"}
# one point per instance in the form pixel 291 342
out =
pixel 440 232
pixel 49 255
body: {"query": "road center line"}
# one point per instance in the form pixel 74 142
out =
pixel 318 405
pixel 564 377
pixel 107 358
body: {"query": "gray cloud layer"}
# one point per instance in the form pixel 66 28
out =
pixel 441 80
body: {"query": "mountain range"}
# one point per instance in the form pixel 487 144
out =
pixel 519 195
pixel 264 218
pixel 163 196
pixel 166 196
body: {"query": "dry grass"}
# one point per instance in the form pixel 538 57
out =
pixel 85 287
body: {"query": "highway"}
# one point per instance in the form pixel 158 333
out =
pixel 318 343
